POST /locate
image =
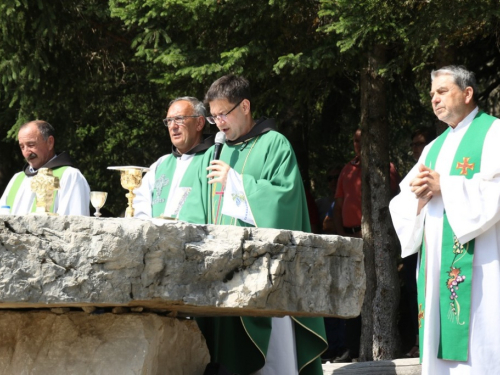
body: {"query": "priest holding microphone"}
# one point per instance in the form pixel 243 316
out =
pixel 256 183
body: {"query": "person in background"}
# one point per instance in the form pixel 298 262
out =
pixel 325 204
pixel 312 209
pixel 328 226
pixel 419 139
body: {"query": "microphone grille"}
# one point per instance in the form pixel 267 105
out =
pixel 220 138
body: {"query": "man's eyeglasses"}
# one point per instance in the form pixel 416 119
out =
pixel 179 120
pixel 213 119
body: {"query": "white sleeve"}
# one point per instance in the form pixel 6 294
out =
pixel 235 200
pixel 73 197
pixel 408 225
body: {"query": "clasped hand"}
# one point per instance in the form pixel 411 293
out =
pixel 218 171
pixel 426 184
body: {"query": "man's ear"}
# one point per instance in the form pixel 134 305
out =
pixel 245 106
pixel 201 123
pixel 469 93
pixel 50 142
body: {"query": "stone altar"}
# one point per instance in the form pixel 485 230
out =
pixel 167 270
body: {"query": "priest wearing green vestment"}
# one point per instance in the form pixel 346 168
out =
pixel 256 183
pixel 168 185
pixel 448 212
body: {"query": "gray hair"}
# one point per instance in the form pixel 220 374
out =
pixel 45 129
pixel 198 107
pixel 461 76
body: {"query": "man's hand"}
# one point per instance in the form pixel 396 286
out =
pixel 425 185
pixel 218 171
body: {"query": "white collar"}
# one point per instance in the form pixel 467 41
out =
pixel 467 120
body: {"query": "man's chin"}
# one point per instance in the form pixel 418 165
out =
pixel 35 166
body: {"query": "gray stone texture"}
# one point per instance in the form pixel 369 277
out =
pixel 66 261
pixel 40 343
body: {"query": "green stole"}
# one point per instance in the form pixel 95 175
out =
pixel 456 259
pixel 163 181
pixel 57 172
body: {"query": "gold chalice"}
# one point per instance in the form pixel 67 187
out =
pixel 43 185
pixel 98 198
pixel 131 178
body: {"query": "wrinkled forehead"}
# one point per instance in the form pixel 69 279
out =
pixel 29 133
pixel 180 108
pixel 443 80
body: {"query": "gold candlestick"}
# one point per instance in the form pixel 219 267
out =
pixel 131 178
pixel 43 185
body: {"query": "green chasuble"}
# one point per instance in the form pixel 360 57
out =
pixel 164 174
pixel 275 195
pixel 272 182
pixel 192 183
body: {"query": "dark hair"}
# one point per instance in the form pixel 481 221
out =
pixel 45 129
pixel 230 87
pixel 198 107
pixel 462 77
pixel 428 133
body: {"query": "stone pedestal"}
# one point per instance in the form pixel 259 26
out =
pixel 41 342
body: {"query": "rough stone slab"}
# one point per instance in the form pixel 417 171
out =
pixel 193 269
pixel 407 366
pixel 40 343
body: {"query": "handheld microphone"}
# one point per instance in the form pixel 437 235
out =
pixel 220 139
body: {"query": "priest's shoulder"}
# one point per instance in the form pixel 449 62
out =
pixel 276 136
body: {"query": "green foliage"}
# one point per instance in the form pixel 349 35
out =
pixel 103 73
pixel 70 63
pixel 275 44
pixel 360 23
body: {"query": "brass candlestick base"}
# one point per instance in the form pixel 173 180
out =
pixel 131 178
pixel 43 185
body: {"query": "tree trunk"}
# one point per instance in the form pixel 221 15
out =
pixel 379 337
